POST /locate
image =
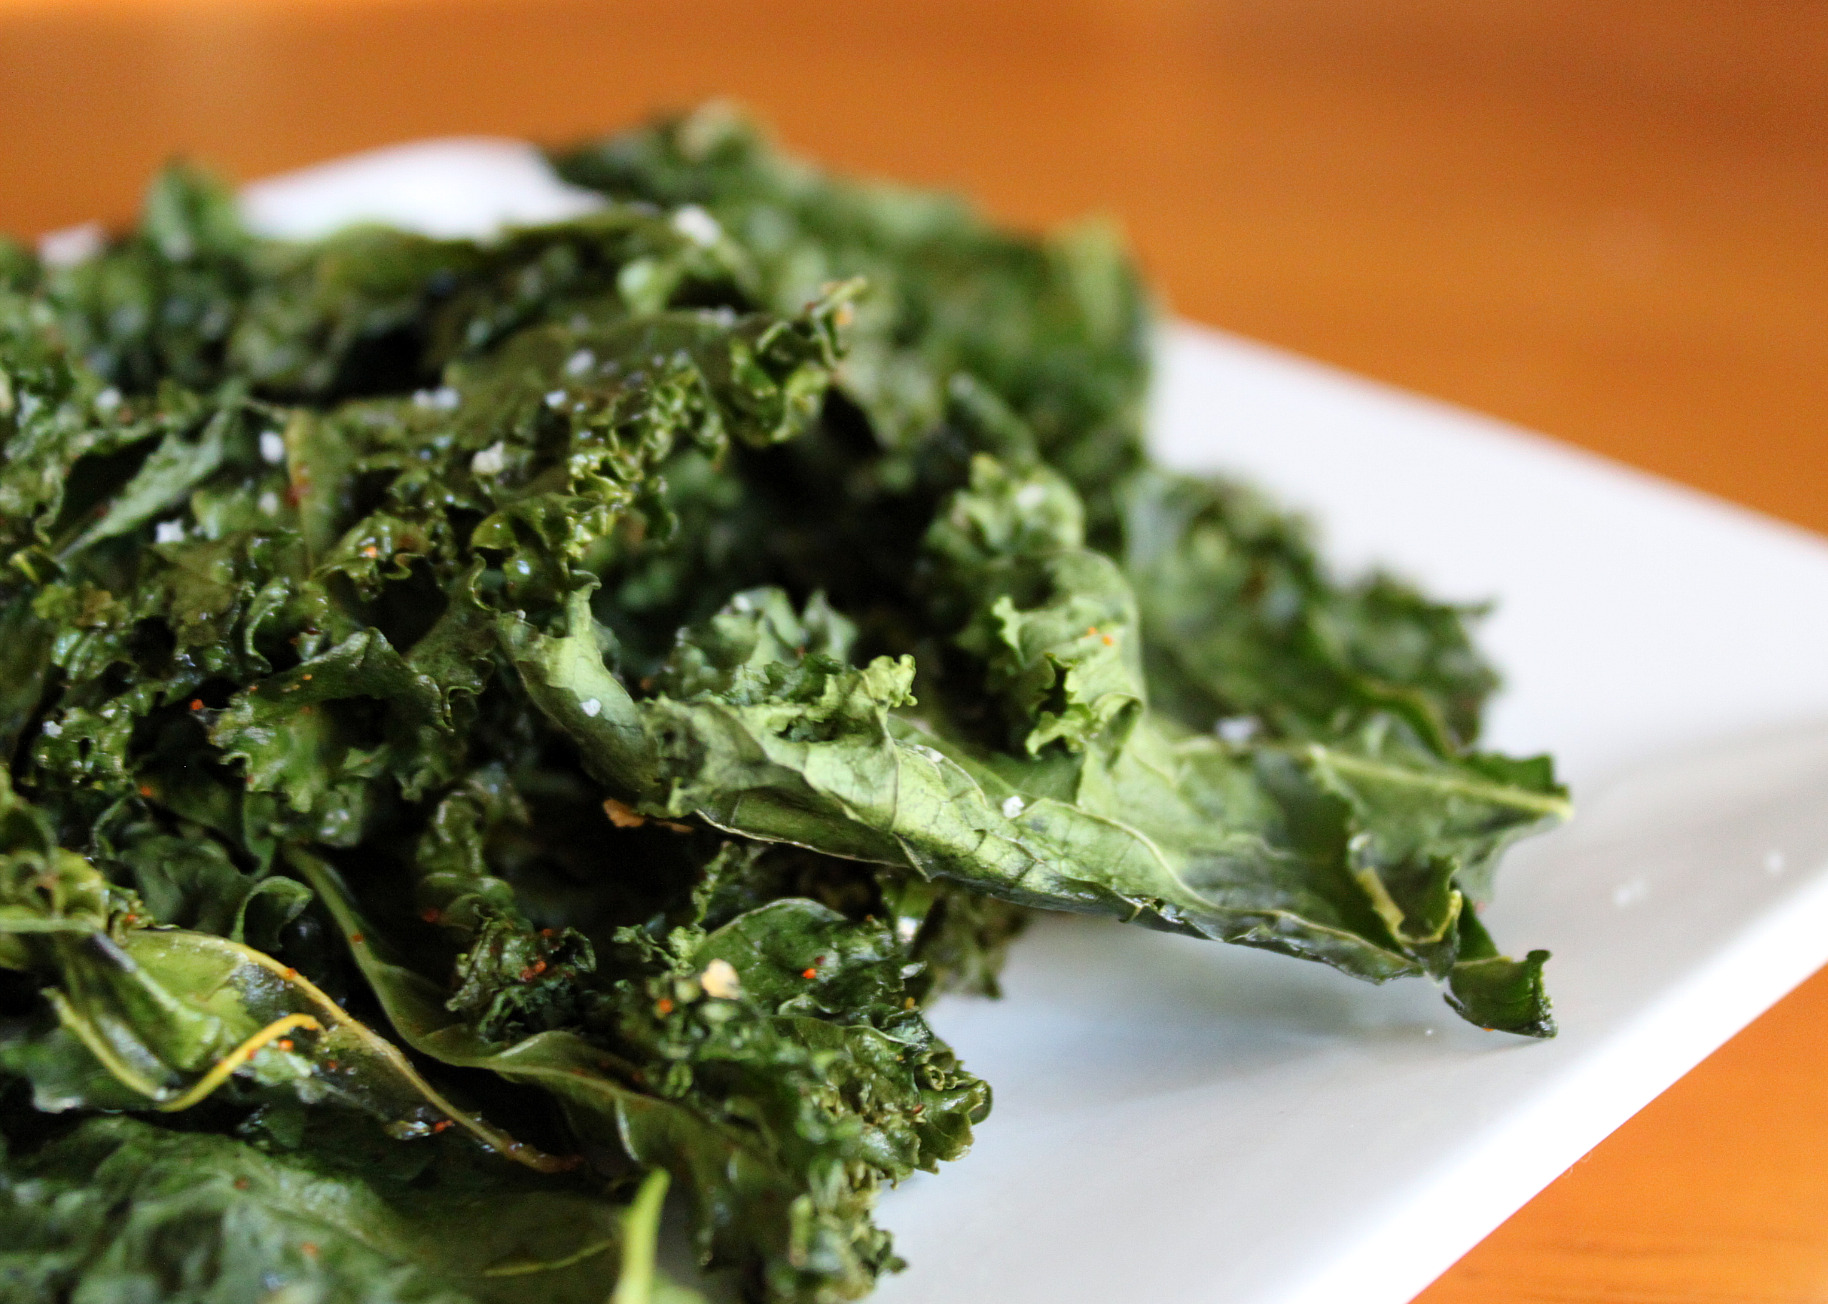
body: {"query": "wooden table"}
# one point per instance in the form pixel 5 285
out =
pixel 1605 220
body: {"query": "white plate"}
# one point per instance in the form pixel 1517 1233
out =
pixel 1177 1121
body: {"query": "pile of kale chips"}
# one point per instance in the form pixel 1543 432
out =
pixel 491 728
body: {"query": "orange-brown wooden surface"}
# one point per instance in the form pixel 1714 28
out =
pixel 1607 220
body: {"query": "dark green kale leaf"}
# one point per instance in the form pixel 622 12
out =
pixel 1242 624
pixel 190 298
pixel 1058 326
pixel 957 938
pixel 160 304
pixel 121 1209
pixel 1361 852
pixel 143 1017
pixel 777 1067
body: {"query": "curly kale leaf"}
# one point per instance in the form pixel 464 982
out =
pixel 953 939
pixel 146 1017
pixel 160 304
pixel 1059 326
pixel 1242 625
pixel 1361 852
pixel 191 298
pixel 776 1067
pixel 119 1208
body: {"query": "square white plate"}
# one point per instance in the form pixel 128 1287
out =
pixel 1179 1122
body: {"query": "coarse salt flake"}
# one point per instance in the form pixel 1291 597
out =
pixel 268 503
pixel 591 707
pixel 696 225
pixel 1236 730
pixel 492 460
pixel 1013 806
pixel 580 362
pixel 168 532
pixel 272 448
pixel 52 729
pixel 719 979
pixel 107 400
pixel 72 245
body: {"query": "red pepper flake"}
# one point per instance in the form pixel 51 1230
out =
pixel 431 914
pixel 253 688
pixel 526 975
pixel 356 938
pixel 441 1125
pixel 539 967
pixel 330 1065
pixel 196 703
pixel 371 551
pixel 145 790
pixel 1091 631
pixel 284 1043
pixel 621 815
pixel 308 1249
pixel 291 974
pixel 306 677
pixel 549 932
pixel 809 973
pixel 241 1183
pixel 1108 640
pixel 664 1005
pixel 130 918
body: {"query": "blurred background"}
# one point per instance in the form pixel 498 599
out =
pixel 1607 220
